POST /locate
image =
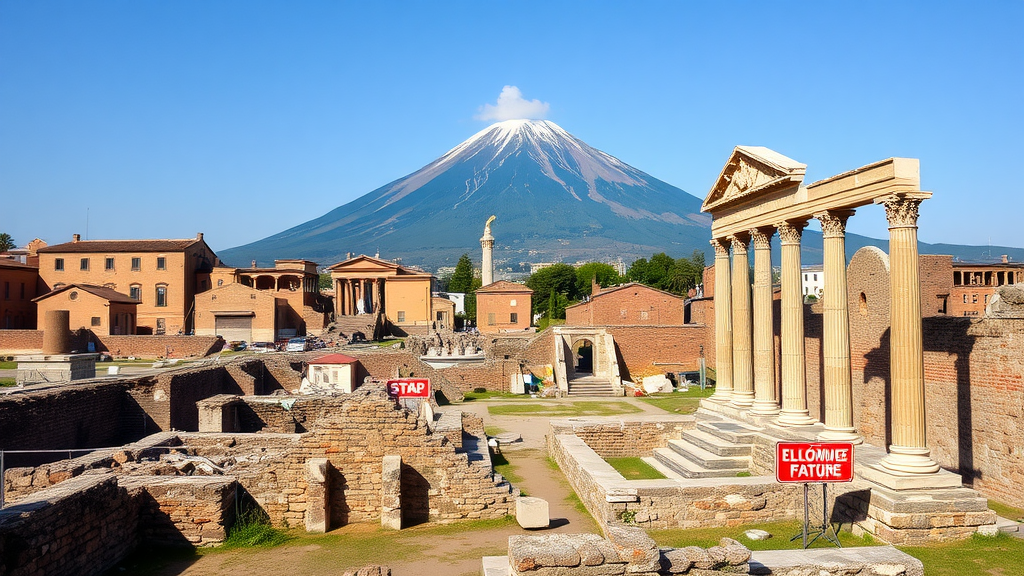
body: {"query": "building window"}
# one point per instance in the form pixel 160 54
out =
pixel 161 263
pixel 220 282
pixel 135 291
pixel 513 318
pixel 815 277
pixel 974 299
pixel 136 264
pixel 401 316
pixel 490 319
pixel 161 326
pixel 95 320
pixel 161 296
pixel 73 295
pixel 965 298
pixel 84 265
pixel 58 264
pixel 108 263
pixel 986 298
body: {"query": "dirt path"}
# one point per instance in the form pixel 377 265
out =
pixel 416 551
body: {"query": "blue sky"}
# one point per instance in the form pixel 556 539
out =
pixel 242 119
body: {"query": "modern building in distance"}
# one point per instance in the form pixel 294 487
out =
pixel 104 311
pixel 366 286
pixel 163 276
pixel 813 280
pixel 19 284
pixel 975 284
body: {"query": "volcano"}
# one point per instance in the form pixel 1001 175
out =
pixel 556 198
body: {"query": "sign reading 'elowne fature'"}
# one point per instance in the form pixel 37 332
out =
pixel 810 462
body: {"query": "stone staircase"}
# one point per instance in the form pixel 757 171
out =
pixel 591 386
pixel 714 449
pixel 349 325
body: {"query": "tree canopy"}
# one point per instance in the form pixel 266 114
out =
pixel 675 275
pixel 6 242
pixel 605 274
pixel 559 278
pixel 462 279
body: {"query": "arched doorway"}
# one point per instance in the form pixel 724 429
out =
pixel 583 356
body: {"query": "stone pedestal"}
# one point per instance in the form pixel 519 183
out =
pixel 532 513
pixel 318 509
pixel 44 368
pixel 742 327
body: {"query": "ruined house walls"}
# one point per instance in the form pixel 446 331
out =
pixel 81 416
pixel 121 346
pixel 625 438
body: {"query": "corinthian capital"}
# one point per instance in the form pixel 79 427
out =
pixel 790 232
pixel 739 243
pixel 721 248
pixel 833 223
pixel 901 212
pixel 762 238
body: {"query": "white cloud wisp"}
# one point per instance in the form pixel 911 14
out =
pixel 512 106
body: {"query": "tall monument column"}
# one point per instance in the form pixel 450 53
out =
pixel 723 323
pixel 766 401
pixel 487 262
pixel 742 326
pixel 794 373
pixel 836 331
pixel 909 452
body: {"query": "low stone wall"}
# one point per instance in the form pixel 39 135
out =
pixel 180 511
pixel 59 417
pixel 20 341
pixel 669 503
pixel 163 346
pixel 82 526
pixel 622 438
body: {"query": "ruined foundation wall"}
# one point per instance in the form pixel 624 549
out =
pixel 625 439
pixel 80 416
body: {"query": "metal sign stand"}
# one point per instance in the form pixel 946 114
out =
pixel 826 526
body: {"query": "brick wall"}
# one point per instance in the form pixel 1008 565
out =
pixel 646 350
pixel 169 346
pixel 182 511
pixel 81 416
pixel 17 341
pixel 624 439
pixel 628 305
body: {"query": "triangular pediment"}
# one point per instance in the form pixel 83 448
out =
pixel 365 263
pixel 752 171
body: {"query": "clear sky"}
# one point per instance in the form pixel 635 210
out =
pixel 242 119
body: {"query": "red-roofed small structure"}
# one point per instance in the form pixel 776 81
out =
pixel 334 372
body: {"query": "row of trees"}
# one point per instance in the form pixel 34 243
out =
pixel 557 287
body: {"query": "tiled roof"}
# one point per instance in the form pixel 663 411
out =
pixel 115 246
pixel 108 294
pixel 335 359
pixel 14 264
pixel 504 286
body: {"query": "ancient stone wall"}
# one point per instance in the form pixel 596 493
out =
pixel 178 511
pixel 18 341
pixel 82 526
pixel 167 346
pixel 648 350
pixel 624 438
pixel 80 416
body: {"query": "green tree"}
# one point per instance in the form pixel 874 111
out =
pixel 560 277
pixel 605 274
pixel 666 273
pixel 462 279
pixel 325 281
pixel 470 303
pixel 6 242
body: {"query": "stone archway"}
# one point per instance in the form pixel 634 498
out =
pixel 583 356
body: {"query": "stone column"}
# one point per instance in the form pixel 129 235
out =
pixel 836 331
pixel 742 326
pixel 487 260
pixel 350 295
pixel 794 370
pixel 723 323
pixel 766 401
pixel 339 298
pixel 909 452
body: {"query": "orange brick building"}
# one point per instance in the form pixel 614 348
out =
pixel 162 276
pixel 630 304
pixel 19 284
pixel 974 285
pixel 104 311
pixel 503 306
pixel 366 286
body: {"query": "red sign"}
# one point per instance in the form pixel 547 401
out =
pixel 409 388
pixel 808 462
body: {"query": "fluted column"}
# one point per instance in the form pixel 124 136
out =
pixel 836 331
pixel 351 296
pixel 742 326
pixel 794 370
pixel 723 323
pixel 766 401
pixel 909 452
pixel 337 297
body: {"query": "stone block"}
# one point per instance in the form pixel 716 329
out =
pixel 532 512
pixel 391 492
pixel 635 547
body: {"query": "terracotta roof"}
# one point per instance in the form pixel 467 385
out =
pixel 12 263
pixel 335 359
pixel 504 286
pixel 114 246
pixel 108 294
pixel 398 268
pixel 634 285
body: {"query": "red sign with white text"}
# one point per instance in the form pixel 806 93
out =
pixel 409 388
pixel 808 462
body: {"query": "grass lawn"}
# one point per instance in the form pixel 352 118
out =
pixel 781 533
pixel 634 469
pixel 679 402
pixel 492 395
pixel 1008 512
pixel 5 382
pixel 563 410
pixel 124 362
pixel 8 365
pixel 507 469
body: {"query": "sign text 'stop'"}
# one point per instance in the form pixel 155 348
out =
pixel 809 462
pixel 409 388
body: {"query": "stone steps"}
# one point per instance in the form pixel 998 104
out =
pixel 715 444
pixel 733 432
pixel 688 469
pixel 590 386
pixel 707 459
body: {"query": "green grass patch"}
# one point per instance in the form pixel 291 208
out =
pixel 125 362
pixel 8 365
pixel 252 529
pixel 7 382
pixel 1006 511
pixel 493 430
pixel 633 468
pixel 389 342
pixel 781 533
pixel 507 469
pixel 976 556
pixel 491 395
pixel 563 410
pixel 679 402
pixel 545 322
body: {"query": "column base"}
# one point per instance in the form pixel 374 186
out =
pixel 742 399
pixel 840 435
pixel 721 396
pixel 909 460
pixel 765 408
pixel 795 418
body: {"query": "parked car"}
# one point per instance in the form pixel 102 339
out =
pixel 297 345
pixel 263 347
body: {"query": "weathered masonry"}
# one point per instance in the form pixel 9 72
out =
pixel 759 193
